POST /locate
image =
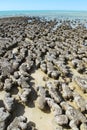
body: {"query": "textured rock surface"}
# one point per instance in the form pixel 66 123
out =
pixel 19 123
pixel 82 82
pixel 43 70
pixel 9 102
pixel 4 118
pixel 62 119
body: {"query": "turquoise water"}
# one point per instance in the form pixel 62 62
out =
pixel 47 14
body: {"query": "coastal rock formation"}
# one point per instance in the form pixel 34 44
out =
pixel 66 91
pixel 53 93
pixel 43 69
pixel 55 107
pixel 75 116
pixel 9 102
pixel 62 120
pixel 4 118
pixel 41 101
pixel 82 82
pixel 19 123
pixel 8 84
pixel 81 103
pixel 24 94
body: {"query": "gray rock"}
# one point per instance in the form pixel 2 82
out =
pixel 53 92
pixel 43 67
pixel 50 68
pixel 62 67
pixel 9 102
pixel 49 71
pixel 1 85
pixel 15 51
pixel 73 114
pixel 55 74
pixel 29 62
pixel 6 67
pixel 23 69
pixel 24 82
pixel 81 82
pixel 4 118
pixel 24 94
pixel 19 123
pixel 41 102
pixel 16 75
pixel 81 103
pixel 23 51
pixel 49 58
pixel 41 97
pixel 41 91
pixel 20 58
pixel 61 119
pixel 37 61
pixel 55 107
pixel 74 124
pixel 66 91
pixel 8 84
pixel 15 65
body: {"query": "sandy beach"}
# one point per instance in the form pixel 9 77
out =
pixel 43 74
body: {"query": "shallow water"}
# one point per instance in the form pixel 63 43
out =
pixel 49 14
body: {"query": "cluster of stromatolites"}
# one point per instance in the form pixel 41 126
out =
pixel 28 44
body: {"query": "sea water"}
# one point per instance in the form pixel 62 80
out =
pixel 47 13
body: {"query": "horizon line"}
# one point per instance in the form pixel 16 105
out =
pixel 45 10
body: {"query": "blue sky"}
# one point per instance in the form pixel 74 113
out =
pixel 43 4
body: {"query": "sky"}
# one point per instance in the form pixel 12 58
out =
pixel 43 5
